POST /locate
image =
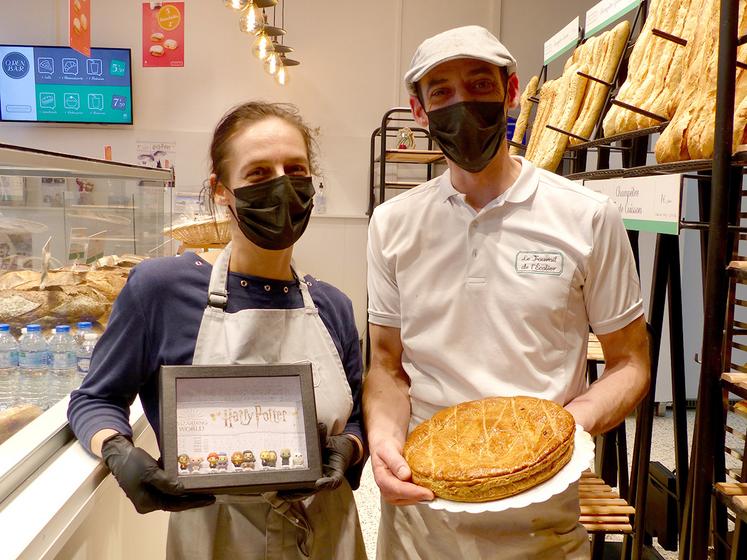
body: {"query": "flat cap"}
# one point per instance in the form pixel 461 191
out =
pixel 471 41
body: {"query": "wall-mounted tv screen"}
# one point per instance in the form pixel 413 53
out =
pixel 58 84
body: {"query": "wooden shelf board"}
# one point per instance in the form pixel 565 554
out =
pixel 412 156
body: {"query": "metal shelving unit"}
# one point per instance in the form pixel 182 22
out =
pixel 386 156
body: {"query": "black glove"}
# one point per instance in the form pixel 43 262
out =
pixel 146 484
pixel 337 455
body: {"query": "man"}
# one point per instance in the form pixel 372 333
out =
pixel 483 282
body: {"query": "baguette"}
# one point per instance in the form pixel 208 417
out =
pixel 690 134
pixel 604 62
pixel 526 108
pixel 643 61
pixel 547 96
pixel 565 111
pixel 16 417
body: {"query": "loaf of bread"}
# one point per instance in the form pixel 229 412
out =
pixel 690 134
pixel 603 59
pixel 16 417
pixel 570 93
pixel 656 66
pixel 525 109
pixel 67 297
pixel 544 108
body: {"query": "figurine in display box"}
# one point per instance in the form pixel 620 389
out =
pixel 232 414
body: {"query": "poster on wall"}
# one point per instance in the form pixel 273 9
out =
pixel 163 34
pixel 80 26
pixel 155 154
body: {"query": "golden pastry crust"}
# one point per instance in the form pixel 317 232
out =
pixel 491 448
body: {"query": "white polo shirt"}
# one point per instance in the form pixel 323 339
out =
pixel 499 302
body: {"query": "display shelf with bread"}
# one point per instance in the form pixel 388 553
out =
pixel 678 106
pixel 570 107
pixel 65 253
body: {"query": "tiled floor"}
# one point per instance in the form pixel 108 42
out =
pixel 367 497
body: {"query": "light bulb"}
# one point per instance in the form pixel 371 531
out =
pixel 281 76
pixel 262 46
pixel 236 4
pixel 250 21
pixel 271 63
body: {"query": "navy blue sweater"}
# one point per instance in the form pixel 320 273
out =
pixel 155 321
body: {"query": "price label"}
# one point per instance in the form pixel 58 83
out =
pixel 563 41
pixel 646 203
pixel 605 12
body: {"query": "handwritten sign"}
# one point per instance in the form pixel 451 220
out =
pixel 563 41
pixel 646 203
pixel 605 12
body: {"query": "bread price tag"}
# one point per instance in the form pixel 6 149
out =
pixel 563 41
pixel 605 12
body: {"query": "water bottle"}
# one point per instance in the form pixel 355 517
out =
pixel 83 327
pixel 32 366
pixel 85 350
pixel 62 364
pixel 8 367
pixel 320 200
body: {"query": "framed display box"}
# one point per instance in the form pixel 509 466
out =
pixel 240 428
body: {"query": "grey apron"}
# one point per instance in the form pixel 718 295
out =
pixel 323 526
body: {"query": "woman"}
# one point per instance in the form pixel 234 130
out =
pixel 258 311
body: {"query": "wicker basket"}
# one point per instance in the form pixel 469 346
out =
pixel 201 232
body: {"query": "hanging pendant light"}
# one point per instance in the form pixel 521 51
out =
pixel 262 46
pixel 271 63
pixel 250 20
pixel 281 75
pixel 236 4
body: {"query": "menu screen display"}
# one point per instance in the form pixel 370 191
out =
pixel 58 84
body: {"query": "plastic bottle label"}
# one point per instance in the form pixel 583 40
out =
pixel 84 364
pixel 8 359
pixel 32 359
pixel 62 360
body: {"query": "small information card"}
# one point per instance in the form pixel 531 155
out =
pixel 563 41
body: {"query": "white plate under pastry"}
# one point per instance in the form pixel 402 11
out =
pixel 581 459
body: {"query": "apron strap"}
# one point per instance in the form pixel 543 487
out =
pixel 295 513
pixel 308 302
pixel 218 288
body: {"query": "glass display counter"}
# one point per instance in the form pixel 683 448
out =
pixel 70 230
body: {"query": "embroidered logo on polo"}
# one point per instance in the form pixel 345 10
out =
pixel 539 262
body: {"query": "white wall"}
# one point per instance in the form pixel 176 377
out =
pixel 352 54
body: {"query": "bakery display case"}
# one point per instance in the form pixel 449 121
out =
pixel 71 228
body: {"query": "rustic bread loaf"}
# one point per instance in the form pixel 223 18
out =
pixel 16 417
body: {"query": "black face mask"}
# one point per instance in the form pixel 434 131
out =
pixel 273 214
pixel 469 132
